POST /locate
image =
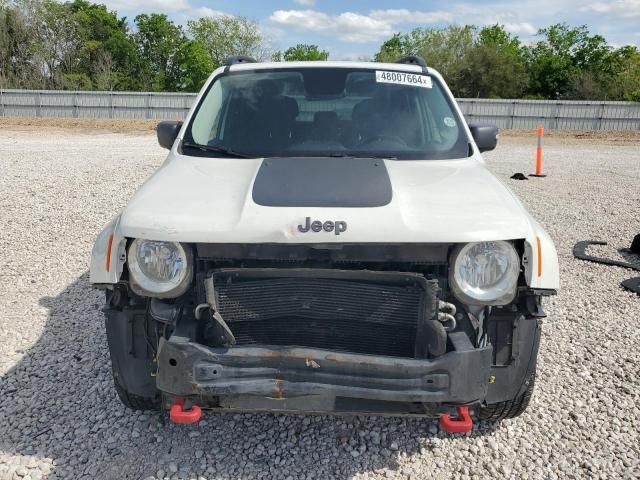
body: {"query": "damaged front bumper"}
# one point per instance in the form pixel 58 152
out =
pixel 314 380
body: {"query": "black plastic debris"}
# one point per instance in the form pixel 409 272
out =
pixel 632 284
pixel 635 245
pixel 519 176
pixel 580 251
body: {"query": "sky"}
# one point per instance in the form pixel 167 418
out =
pixel 356 28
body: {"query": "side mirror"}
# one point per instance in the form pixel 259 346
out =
pixel 167 133
pixel 486 136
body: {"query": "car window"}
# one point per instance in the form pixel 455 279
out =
pixel 329 112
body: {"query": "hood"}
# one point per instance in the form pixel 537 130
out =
pixel 231 200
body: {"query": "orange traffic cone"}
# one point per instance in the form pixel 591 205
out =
pixel 539 154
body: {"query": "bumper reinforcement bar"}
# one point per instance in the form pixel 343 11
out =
pixel 190 369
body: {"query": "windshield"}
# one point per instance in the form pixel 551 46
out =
pixel 326 112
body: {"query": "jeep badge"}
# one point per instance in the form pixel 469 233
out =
pixel 337 226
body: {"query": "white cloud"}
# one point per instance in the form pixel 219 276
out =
pixel 352 57
pixel 302 19
pixel 402 15
pixel 612 18
pixel 360 28
pixel 620 8
pixel 306 3
pixel 380 24
pixel 180 11
pixel 207 12
pixel 348 26
pixel 521 28
pixel 148 5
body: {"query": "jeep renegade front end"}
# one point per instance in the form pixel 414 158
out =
pixel 325 237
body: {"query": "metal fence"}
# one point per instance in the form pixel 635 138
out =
pixel 569 115
pixel 57 103
pixel 553 114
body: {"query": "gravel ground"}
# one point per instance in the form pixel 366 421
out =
pixel 60 418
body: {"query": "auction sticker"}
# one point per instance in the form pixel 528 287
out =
pixel 403 78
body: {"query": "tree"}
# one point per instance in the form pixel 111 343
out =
pixel 277 56
pixel 495 67
pixel 56 43
pixel 392 49
pixel 158 41
pixel 17 68
pixel 627 84
pixel 192 67
pixel 107 52
pixel 305 52
pixel 226 36
pixel 445 49
pixel 78 44
pixel 566 60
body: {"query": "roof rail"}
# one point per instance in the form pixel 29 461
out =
pixel 413 60
pixel 238 59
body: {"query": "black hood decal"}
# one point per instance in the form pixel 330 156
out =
pixel 322 182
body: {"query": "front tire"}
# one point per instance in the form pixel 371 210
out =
pixel 132 343
pixel 136 402
pixel 496 412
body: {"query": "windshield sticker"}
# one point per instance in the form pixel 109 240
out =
pixel 449 122
pixel 403 78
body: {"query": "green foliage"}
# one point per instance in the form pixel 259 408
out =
pixel 488 63
pixel 552 65
pixel 191 69
pixel 304 52
pixel 446 49
pixel 225 36
pixel 393 49
pixel 107 53
pixel 628 79
pixel 570 63
pixel 566 62
pixel 80 45
pixel 76 81
pixel 158 40
pixel 65 45
pixel 277 56
pixel 495 66
pixel 16 51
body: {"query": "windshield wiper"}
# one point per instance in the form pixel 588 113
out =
pixel 211 148
pixel 360 155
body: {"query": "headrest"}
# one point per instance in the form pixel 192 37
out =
pixel 365 109
pixel 266 88
pixel 325 117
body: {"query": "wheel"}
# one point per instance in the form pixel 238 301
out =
pixel 513 408
pixel 136 402
pixel 132 343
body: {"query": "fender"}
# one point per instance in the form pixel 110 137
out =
pixel 541 259
pixel 108 255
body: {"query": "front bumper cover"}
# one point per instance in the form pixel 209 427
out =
pixel 278 373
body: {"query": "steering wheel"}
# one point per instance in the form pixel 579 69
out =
pixel 385 138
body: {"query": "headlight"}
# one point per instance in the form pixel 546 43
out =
pixel 485 273
pixel 159 269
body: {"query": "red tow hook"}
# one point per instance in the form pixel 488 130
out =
pixel 178 415
pixel 463 424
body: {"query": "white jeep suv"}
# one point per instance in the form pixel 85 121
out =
pixel 325 236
